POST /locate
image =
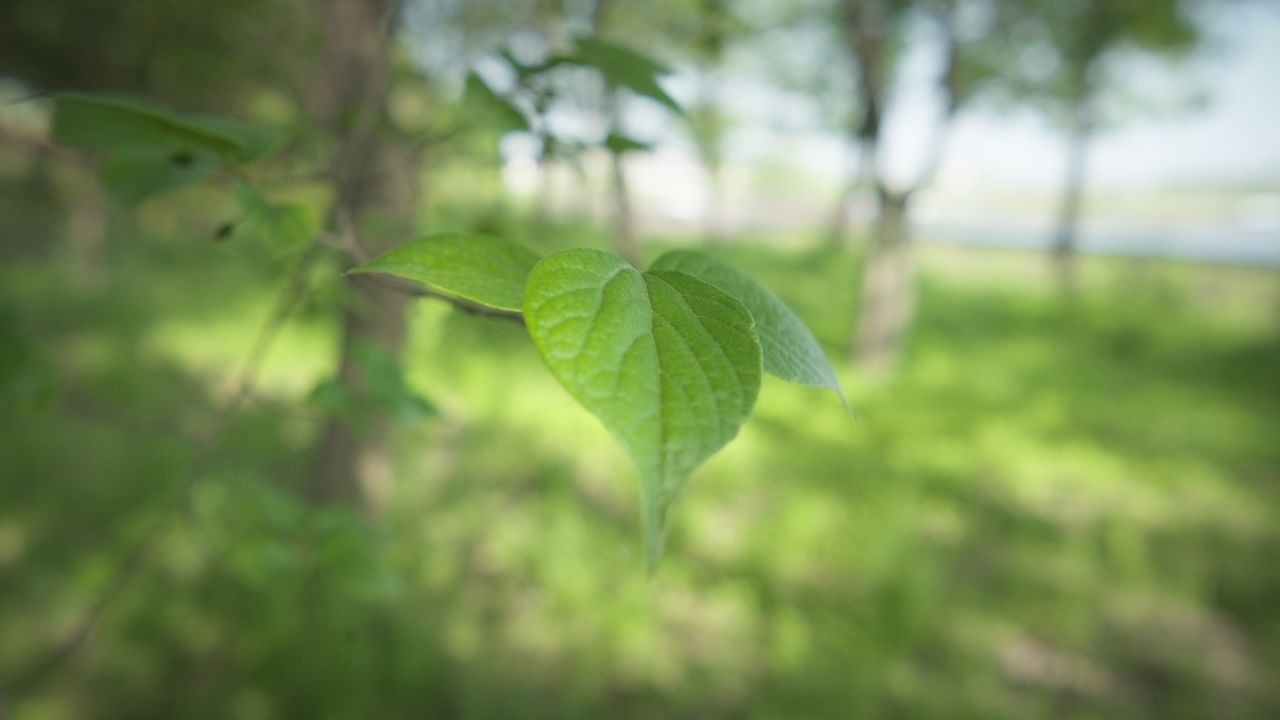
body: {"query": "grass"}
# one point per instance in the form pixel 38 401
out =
pixel 1054 509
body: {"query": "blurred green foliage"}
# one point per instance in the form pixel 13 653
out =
pixel 1055 510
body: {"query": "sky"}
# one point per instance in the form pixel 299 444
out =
pixel 1160 140
pixel 1233 140
pixel 1194 151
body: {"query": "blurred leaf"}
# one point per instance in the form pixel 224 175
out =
pixel 625 68
pixel 331 398
pixel 135 174
pixel 255 142
pixel 618 59
pixel 563 150
pixel 115 124
pixel 617 143
pixel 670 364
pixel 382 390
pixel 492 106
pixel 790 350
pixel 280 228
pixel 521 69
pixel 385 389
pixel 108 123
pixel 480 268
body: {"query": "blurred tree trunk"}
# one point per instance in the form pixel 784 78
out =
pixel 71 180
pixel 838 227
pixel 714 224
pixel 549 18
pixel 857 177
pixel 708 140
pixel 1066 235
pixel 624 233
pixel 707 116
pixel 624 237
pixel 87 216
pixel 888 293
pixel 887 297
pixel 375 186
pixel 544 202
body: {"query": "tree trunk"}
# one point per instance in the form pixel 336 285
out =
pixel 1066 235
pixel 351 464
pixel 624 238
pixel 87 220
pixel 544 202
pixel 375 192
pixel 838 227
pixel 714 221
pixel 708 136
pixel 888 298
pixel 856 177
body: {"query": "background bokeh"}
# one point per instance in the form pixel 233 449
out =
pixel 1056 494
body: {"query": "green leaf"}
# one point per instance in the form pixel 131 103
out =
pixel 385 387
pixel 480 268
pixel 618 143
pixel 619 59
pixel 134 175
pixel 149 150
pixel 561 150
pixel 331 398
pixel 492 106
pixel 382 391
pixel 255 142
pixel 115 124
pixel 669 364
pixel 623 67
pixel 110 123
pixel 791 352
pixel 280 228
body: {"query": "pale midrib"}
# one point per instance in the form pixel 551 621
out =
pixel 715 344
pixel 706 379
pixel 722 434
pixel 796 352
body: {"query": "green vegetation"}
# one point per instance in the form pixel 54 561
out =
pixel 1052 510
pixel 669 363
pixel 264 454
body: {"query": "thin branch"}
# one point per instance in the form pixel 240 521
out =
pixel 465 306
pixel 348 241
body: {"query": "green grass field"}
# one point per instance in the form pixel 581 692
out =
pixel 1056 509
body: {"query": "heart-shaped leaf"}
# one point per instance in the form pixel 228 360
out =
pixel 791 352
pixel 669 363
pixel 480 268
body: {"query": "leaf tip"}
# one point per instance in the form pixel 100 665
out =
pixel 844 400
